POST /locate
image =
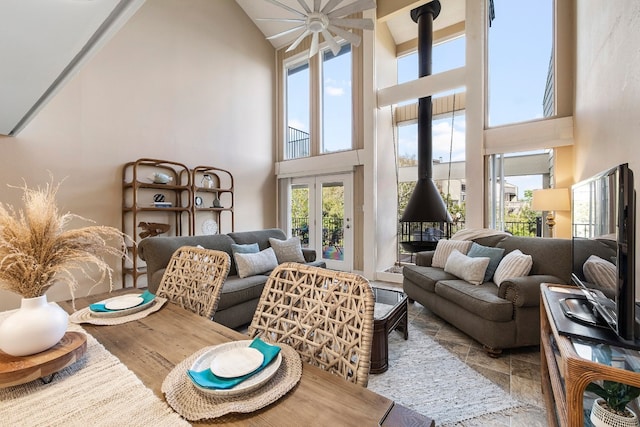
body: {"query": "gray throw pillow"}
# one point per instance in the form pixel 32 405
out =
pixel 252 264
pixel 288 250
pixel 494 255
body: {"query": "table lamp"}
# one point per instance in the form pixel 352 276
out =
pixel 551 200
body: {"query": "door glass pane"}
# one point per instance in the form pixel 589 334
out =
pixel 336 100
pixel 300 213
pixel 520 61
pixel 297 135
pixel 333 221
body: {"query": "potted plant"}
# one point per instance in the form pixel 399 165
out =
pixel 611 409
pixel 36 252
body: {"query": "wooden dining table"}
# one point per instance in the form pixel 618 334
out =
pixel 150 347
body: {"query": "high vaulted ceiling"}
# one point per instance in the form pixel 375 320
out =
pixel 393 13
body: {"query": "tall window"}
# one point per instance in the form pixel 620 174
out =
pixel 521 67
pixel 336 100
pixel 319 104
pixel 297 142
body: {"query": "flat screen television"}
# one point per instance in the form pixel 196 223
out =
pixel 603 250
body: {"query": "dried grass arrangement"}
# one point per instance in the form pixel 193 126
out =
pixel 36 250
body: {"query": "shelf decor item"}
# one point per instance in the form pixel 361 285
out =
pixel 611 409
pixel 36 252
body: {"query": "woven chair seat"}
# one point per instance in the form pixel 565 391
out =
pixel 325 315
pixel 194 278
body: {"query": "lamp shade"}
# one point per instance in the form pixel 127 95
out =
pixel 551 199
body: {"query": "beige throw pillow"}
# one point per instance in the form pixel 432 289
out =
pixel 444 249
pixel 256 263
pixel 467 268
pixel 514 264
pixel 287 250
pixel 600 272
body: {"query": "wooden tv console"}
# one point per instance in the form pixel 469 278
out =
pixel 566 374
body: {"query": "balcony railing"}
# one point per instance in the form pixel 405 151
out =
pixel 297 144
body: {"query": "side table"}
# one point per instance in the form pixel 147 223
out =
pixel 569 364
pixel 390 314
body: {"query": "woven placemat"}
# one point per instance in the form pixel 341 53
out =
pixel 192 404
pixel 84 315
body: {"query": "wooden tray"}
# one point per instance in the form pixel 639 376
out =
pixel 16 370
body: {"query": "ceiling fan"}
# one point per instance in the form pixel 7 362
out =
pixel 327 20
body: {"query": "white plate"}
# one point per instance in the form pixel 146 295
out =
pixel 124 312
pixel 124 302
pixel 236 362
pixel 258 380
pixel 209 226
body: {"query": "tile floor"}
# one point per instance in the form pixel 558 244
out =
pixel 516 371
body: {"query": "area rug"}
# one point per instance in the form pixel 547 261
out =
pixel 427 378
pixel 97 390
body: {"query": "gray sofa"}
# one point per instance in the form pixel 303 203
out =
pixel 239 297
pixel 498 318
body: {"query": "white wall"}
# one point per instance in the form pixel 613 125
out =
pixel 190 81
pixel 607 105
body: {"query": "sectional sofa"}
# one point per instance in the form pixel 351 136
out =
pixel 499 317
pixel 240 295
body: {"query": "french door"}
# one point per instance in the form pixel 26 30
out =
pixel 320 213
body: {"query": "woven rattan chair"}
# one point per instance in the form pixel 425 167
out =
pixel 325 315
pixel 194 278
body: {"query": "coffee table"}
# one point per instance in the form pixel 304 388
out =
pixel 390 314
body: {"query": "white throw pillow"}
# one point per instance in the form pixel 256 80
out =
pixel 467 268
pixel 256 263
pixel 600 272
pixel 514 264
pixel 287 250
pixel 444 249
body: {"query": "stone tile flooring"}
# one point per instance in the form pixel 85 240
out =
pixel 515 371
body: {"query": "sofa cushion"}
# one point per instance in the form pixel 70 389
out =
pixel 514 264
pixel 257 263
pixel 494 255
pixel 482 300
pixel 287 250
pixel 471 269
pixel 600 272
pixel 551 256
pixel 261 237
pixel 444 249
pixel 236 290
pixel 425 277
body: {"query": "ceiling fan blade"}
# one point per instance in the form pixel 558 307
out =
pixel 314 44
pixel 354 39
pixel 303 3
pixel 316 5
pixel 355 7
pixel 363 24
pixel 333 44
pixel 285 7
pixel 298 40
pixel 284 33
pixel 329 6
pixel 281 19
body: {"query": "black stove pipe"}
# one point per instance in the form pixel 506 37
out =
pixel 425 204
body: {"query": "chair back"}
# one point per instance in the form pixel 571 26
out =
pixel 194 278
pixel 325 315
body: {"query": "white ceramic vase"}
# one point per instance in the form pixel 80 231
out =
pixel 36 326
pixel 600 417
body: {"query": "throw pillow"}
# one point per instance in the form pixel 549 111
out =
pixel 252 248
pixel 287 250
pixel 600 272
pixel 467 268
pixel 494 255
pixel 514 264
pixel 444 249
pixel 256 263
